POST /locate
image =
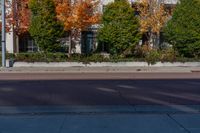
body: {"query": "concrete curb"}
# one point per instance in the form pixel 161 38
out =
pixel 103 109
pixel 103 67
pixel 100 70
pixel 105 64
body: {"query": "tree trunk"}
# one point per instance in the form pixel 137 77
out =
pixel 70 43
pixel 154 40
pixel 150 40
pixel 158 41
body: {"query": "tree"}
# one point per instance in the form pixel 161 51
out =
pixel 17 16
pixel 21 15
pixel 119 31
pixel 183 30
pixel 44 27
pixel 77 16
pixel 153 17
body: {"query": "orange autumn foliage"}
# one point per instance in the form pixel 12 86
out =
pixel 17 16
pixel 153 15
pixel 22 16
pixel 77 15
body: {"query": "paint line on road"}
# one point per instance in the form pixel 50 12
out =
pixel 165 106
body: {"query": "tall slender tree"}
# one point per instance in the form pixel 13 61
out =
pixel 77 16
pixel 17 16
pixel 119 30
pixel 21 15
pixel 183 30
pixel 153 17
pixel 45 28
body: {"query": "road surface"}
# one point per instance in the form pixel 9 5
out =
pixel 99 103
pixel 99 89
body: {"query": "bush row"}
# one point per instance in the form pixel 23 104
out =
pixel 150 57
pixel 57 57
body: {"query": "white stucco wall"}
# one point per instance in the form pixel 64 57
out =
pixel 171 2
pixel 9 37
pixel 105 2
pixel 10 42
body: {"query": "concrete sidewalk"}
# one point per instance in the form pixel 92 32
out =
pixel 98 109
pixel 102 69
pixel 100 120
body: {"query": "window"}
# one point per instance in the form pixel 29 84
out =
pixel 27 44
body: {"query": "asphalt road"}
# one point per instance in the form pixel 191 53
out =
pixel 91 89
pixel 99 103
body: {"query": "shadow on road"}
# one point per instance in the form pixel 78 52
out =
pixel 100 92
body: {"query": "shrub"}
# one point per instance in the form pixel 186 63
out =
pixel 44 27
pixel 152 57
pixel 182 31
pixel 119 32
pixel 141 51
pixel 88 58
pixel 168 55
pixel 41 57
pixel 59 57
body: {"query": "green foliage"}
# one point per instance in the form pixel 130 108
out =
pixel 183 30
pixel 59 57
pixel 41 57
pixel 62 57
pixel 44 28
pixel 141 51
pixel 168 55
pixel 119 32
pixel 152 56
pixel 88 58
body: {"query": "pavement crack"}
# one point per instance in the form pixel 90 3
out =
pixel 179 124
pixel 62 124
pixel 124 98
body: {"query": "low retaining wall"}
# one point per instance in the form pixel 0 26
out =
pixel 104 64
